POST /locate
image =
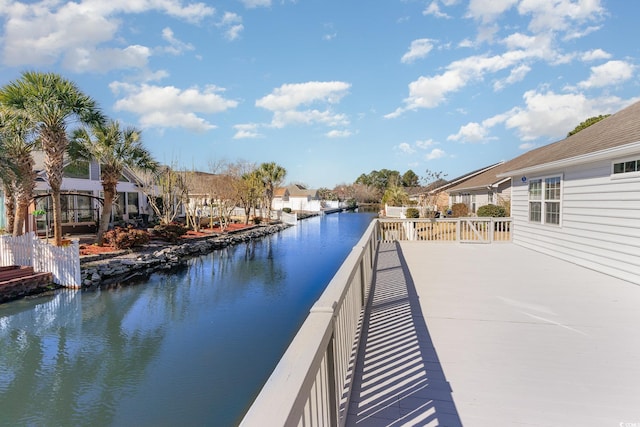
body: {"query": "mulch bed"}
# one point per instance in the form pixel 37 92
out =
pixel 90 249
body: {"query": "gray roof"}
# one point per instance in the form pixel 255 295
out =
pixel 617 130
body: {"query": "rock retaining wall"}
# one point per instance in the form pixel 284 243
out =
pixel 121 269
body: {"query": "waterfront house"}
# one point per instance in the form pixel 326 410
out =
pixel 82 196
pixel 578 199
pixel 296 197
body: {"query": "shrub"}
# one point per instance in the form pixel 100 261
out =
pixel 170 232
pixel 459 209
pixel 412 213
pixel 257 220
pixel 287 210
pixel 492 211
pixel 126 238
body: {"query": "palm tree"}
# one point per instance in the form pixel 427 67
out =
pixel 115 149
pixel 249 188
pixel 272 176
pixel 17 165
pixel 52 103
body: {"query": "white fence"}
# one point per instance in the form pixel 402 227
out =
pixel 310 385
pixel 28 250
pixel 464 230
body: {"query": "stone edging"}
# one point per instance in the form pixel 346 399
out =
pixel 106 271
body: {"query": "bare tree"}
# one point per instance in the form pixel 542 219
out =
pixel 165 191
pixel 428 201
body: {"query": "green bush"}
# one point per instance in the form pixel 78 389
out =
pixel 459 209
pixel 287 210
pixel 412 213
pixel 492 211
pixel 170 232
pixel 126 238
pixel 257 220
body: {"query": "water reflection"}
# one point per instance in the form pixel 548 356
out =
pixel 189 348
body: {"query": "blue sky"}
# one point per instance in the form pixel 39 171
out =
pixel 332 89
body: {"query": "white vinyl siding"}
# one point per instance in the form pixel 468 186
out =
pixel 600 221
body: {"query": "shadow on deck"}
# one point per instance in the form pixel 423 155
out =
pixel 398 379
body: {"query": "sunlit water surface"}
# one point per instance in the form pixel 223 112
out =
pixel 189 348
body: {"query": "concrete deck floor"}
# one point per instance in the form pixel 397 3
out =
pixel 496 335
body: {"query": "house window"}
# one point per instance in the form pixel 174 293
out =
pixel 626 167
pixel 77 170
pixel 535 197
pixel 544 200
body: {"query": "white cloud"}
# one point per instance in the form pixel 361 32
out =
pixel 231 24
pixel 551 115
pixel 419 48
pixel 168 106
pixel 338 133
pixel 526 146
pixel 176 47
pixel 434 9
pixel 48 32
pixel 429 92
pixel 246 131
pixel 406 148
pixel 286 100
pixel 425 144
pixel 293 95
pixel 251 4
pixel 608 74
pixel 487 11
pixel 104 60
pixel 517 74
pixel 559 15
pixel 594 55
pixel 471 132
pixel 436 153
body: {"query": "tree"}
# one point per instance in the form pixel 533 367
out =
pixel 17 165
pixel 410 179
pixel 114 149
pixel 250 188
pixel 326 194
pixel 52 102
pixel 590 121
pixel 429 199
pixel 395 196
pixel 165 189
pixel 272 176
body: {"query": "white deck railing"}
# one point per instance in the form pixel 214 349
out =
pixel 465 230
pixel 28 250
pixel 307 386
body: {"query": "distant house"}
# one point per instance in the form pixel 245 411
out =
pixel 482 188
pixel 579 199
pixel 437 196
pixel 297 198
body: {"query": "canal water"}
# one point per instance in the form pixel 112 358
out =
pixel 189 348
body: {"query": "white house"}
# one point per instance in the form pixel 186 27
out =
pixel 82 194
pixel 579 199
pixel 483 188
pixel 297 198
